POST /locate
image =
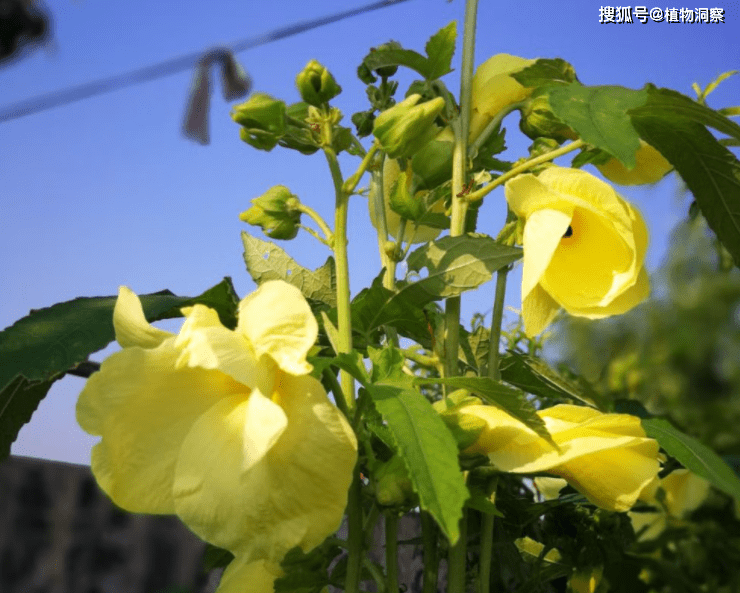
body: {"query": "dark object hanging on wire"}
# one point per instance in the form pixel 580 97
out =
pixel 22 26
pixel 235 83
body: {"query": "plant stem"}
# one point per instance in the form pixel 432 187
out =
pixel 458 552
pixel 526 166
pixel 430 558
pixel 486 544
pixel 391 551
pixel 351 183
pixel 356 535
pixel 495 333
pixel 344 319
pixel 457 559
pixel 316 217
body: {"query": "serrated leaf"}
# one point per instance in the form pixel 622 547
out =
pixel 399 57
pixel 440 48
pixel 535 376
pixel 509 399
pixel 671 105
pixel 599 115
pixel 266 261
pixel 352 363
pixel 18 402
pixel 710 171
pixel 428 449
pixel 695 456
pixel 454 265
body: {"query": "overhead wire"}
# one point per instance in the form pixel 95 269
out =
pixel 172 66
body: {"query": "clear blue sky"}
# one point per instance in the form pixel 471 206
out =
pixel 106 191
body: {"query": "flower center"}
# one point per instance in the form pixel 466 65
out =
pixel 568 233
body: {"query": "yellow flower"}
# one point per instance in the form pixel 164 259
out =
pixel 584 247
pixel 493 89
pixel 586 580
pixel 606 457
pixel 683 491
pixel 224 428
pixel 420 234
pixel 650 167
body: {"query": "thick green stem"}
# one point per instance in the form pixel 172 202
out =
pixel 457 559
pixel 458 552
pixel 351 183
pixel 431 557
pixel 391 552
pixel 356 536
pixel 344 319
pixel 525 166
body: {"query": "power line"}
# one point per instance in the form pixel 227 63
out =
pixel 169 67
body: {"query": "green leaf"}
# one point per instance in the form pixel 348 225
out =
pixel 399 57
pixel 440 48
pixel 599 115
pixel 266 261
pixel 545 71
pixel 710 171
pixel 428 449
pixel 377 306
pixel 352 363
pixel 667 104
pixel 695 456
pixel 18 402
pixel 482 503
pixel 510 400
pixel 454 265
pixel 535 376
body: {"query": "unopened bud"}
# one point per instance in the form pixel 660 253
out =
pixel 316 84
pixel 538 120
pixel 406 127
pixel 275 212
pixel 262 119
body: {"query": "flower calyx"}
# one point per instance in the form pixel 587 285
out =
pixel 275 212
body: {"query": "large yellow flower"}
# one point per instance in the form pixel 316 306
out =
pixel 606 457
pixel 584 247
pixel 224 428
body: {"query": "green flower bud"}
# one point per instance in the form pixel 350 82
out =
pixel 538 120
pixel 406 127
pixel 387 71
pixel 316 84
pixel 392 483
pixel 262 119
pixel 275 212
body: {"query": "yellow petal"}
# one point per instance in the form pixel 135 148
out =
pixel 527 194
pixel 543 234
pixel 277 321
pixel 294 495
pixel 207 344
pixel 614 478
pixel 629 299
pixel 493 89
pixel 538 311
pixel 648 525
pixel 650 167
pixel 549 488
pixel 685 492
pixel 143 407
pixel 132 328
pixel 243 576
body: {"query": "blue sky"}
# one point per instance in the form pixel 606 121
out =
pixel 106 191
